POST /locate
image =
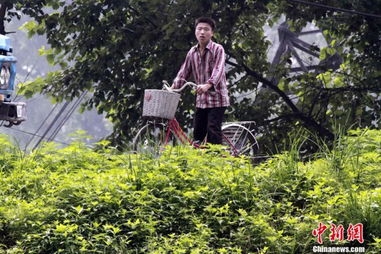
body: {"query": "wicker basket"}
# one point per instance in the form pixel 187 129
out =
pixel 160 103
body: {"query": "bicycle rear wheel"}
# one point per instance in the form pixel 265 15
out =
pixel 240 140
pixel 151 138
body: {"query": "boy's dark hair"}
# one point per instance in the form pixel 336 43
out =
pixel 207 20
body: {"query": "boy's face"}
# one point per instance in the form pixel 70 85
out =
pixel 203 33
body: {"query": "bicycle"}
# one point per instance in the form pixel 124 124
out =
pixel 156 133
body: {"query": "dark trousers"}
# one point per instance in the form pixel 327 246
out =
pixel 208 121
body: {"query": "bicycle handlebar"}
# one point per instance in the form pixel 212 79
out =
pixel 167 87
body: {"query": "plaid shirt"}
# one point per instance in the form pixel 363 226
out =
pixel 209 68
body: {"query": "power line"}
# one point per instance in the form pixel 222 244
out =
pixel 36 135
pixel 67 116
pixel 336 8
pixel 61 122
pixel 41 125
pixel 51 125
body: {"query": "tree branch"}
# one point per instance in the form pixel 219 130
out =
pixel 352 89
pixel 308 122
pixel 3 11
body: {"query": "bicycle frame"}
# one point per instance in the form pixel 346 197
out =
pixel 238 138
pixel 175 128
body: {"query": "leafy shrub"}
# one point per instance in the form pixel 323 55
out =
pixel 80 200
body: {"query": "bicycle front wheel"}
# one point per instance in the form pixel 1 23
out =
pixel 240 140
pixel 150 138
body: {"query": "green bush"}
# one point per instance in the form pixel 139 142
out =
pixel 80 200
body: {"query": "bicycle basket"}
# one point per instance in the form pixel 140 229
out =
pixel 160 103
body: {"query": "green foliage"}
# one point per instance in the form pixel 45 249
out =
pixel 354 38
pixel 80 200
pixel 116 49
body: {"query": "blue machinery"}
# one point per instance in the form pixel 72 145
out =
pixel 12 112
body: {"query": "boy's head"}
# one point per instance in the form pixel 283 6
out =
pixel 206 20
pixel 204 28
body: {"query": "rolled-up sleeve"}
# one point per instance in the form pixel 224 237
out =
pixel 184 72
pixel 219 67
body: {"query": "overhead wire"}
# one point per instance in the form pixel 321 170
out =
pixel 41 125
pixel 55 120
pixel 67 116
pixel 336 8
pixel 51 125
pixel 36 135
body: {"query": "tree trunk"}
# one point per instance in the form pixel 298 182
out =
pixel 3 11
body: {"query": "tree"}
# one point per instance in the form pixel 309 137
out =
pixel 355 35
pixel 116 49
pixel 348 95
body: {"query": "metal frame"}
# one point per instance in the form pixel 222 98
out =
pixel 288 43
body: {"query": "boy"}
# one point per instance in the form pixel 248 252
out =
pixel 206 61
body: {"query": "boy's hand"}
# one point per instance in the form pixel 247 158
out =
pixel 203 88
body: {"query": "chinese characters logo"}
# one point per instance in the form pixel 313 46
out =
pixel 354 232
